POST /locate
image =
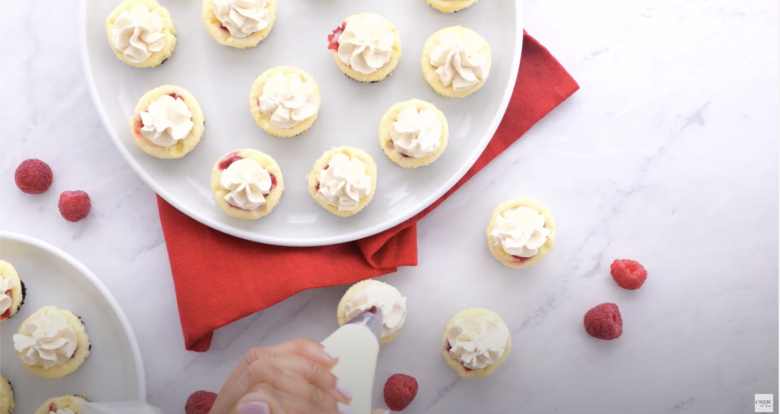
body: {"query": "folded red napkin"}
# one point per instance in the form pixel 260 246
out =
pixel 199 255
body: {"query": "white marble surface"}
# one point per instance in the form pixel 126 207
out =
pixel 667 154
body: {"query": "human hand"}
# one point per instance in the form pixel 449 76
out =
pixel 289 378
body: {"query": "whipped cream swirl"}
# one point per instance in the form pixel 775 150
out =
pixel 478 342
pixel 366 44
pixel 166 121
pixel 459 60
pixel 62 411
pixel 46 339
pixel 242 17
pixel 248 183
pixel 6 301
pixel 416 134
pixel 288 100
pixel 344 182
pixel 138 33
pixel 520 231
pixel 384 297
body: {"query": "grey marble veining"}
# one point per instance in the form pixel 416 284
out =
pixel 667 155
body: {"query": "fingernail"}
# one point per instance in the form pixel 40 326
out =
pixel 345 389
pixel 343 409
pixel 331 354
pixel 254 407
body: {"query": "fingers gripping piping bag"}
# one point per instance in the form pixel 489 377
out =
pixel 357 345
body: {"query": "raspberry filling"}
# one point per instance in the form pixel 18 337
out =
pixel 7 313
pixel 318 185
pixel 221 27
pixel 230 159
pixel 391 145
pixel 174 96
pixel 333 38
pixel 448 348
pixel 138 125
pixel 53 407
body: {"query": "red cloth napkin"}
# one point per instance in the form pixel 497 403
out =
pixel 199 255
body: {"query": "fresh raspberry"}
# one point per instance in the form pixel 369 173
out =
pixel 200 402
pixel 33 176
pixel 604 322
pixel 74 205
pixel 628 274
pixel 333 38
pixel 400 390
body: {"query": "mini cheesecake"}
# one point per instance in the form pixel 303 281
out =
pixel 6 396
pixel 66 404
pixel 239 193
pixel 64 334
pixel 474 316
pixel 150 28
pixel 153 130
pixel 366 47
pixel 540 239
pixel 450 6
pixel 12 291
pixel 231 25
pixel 284 101
pixel 370 293
pixel 356 171
pixel 413 133
pixel 450 78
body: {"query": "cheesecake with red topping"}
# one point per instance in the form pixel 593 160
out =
pixel 247 184
pixel 12 291
pixel 366 47
pixel 167 122
pixel 521 232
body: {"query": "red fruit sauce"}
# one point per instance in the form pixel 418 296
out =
pixel 519 259
pixel 318 186
pixel 138 125
pixel 333 38
pixel 53 407
pixel 7 313
pixel 221 27
pixel 230 159
pixel 174 96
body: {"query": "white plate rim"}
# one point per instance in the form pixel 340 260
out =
pixel 317 240
pixel 20 238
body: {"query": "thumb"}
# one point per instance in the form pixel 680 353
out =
pixel 258 402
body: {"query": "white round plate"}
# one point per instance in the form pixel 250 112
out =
pixel 112 372
pixel 220 78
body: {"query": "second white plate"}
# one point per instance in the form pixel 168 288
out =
pixel 112 372
pixel 220 78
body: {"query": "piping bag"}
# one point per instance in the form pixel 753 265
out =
pixel 356 343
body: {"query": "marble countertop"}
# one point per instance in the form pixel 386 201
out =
pixel 666 155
